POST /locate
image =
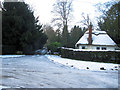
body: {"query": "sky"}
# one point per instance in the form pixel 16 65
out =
pixel 43 8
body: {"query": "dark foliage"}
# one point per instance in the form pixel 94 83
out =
pixel 111 21
pixel 20 29
pixel 54 46
pixel 65 37
pixel 95 56
pixel 75 35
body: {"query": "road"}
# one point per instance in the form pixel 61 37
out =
pixel 39 72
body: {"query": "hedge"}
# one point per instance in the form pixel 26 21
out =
pixel 96 56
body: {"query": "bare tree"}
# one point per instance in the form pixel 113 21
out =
pixel 86 20
pixel 49 31
pixel 62 11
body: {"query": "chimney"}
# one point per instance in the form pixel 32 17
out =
pixel 90 35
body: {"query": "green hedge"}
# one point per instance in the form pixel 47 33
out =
pixel 8 49
pixel 96 56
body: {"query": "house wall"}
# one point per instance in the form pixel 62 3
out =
pixel 95 47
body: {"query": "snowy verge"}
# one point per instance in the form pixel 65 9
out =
pixel 1 87
pixel 10 56
pixel 87 65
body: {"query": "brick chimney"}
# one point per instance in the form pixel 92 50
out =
pixel 90 35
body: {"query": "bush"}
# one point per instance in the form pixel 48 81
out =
pixel 95 56
pixel 54 46
pixel 8 49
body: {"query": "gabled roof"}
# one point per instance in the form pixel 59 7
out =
pixel 98 38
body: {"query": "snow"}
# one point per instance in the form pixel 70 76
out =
pixel 102 39
pixel 90 50
pixel 3 87
pixel 10 56
pixel 96 32
pixel 83 64
pixel 98 37
pixel 38 71
pixel 94 50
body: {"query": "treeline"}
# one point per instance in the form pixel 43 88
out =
pixel 110 20
pixel 63 38
pixel 21 31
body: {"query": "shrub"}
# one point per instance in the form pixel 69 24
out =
pixel 54 46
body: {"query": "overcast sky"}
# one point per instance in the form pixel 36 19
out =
pixel 43 8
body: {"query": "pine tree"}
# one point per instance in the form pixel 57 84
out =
pixel 21 31
pixel 111 22
pixel 76 34
pixel 58 36
pixel 65 37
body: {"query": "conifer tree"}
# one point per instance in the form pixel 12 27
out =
pixel 110 22
pixel 65 37
pixel 20 29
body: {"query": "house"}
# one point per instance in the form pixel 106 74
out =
pixel 96 40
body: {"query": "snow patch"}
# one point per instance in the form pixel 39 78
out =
pixel 10 56
pixel 87 65
pixel 37 71
pixel 1 87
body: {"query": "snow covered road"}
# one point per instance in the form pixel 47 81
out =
pixel 39 72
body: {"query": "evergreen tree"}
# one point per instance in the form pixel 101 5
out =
pixel 110 22
pixel 0 29
pixel 65 37
pixel 76 34
pixel 51 34
pixel 21 31
pixel 58 36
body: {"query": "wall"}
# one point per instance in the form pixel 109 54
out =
pixel 97 56
pixel 94 47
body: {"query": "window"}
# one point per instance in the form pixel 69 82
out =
pixel 103 48
pixel 83 47
pixel 117 48
pixel 77 45
pixel 98 48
